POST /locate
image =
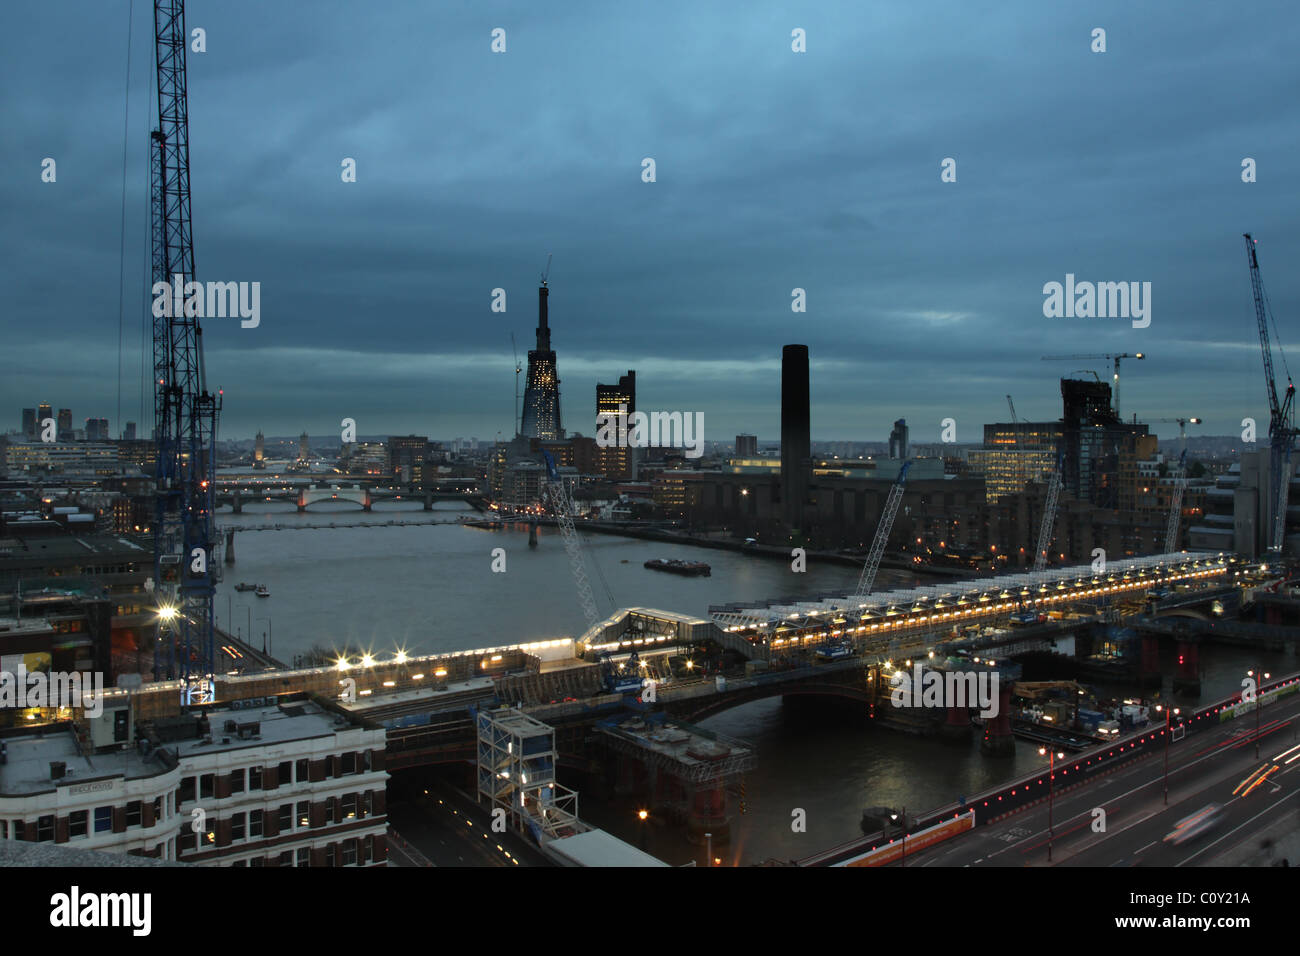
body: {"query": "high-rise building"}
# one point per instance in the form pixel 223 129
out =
pixel 129 432
pixel 44 411
pixel 796 434
pixel 406 457
pixel 65 424
pixel 541 417
pixel 29 422
pixel 616 461
pixel 746 446
pixel 96 429
pixel 898 444
pixel 259 450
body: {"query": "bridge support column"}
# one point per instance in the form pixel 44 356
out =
pixel 956 729
pixel 1187 677
pixel 998 740
pixel 428 500
pixel 1149 674
pixel 532 534
pixel 230 547
pixel 709 815
pixel 301 507
pixel 237 503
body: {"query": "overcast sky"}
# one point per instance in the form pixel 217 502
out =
pixel 775 170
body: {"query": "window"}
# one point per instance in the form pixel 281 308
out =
pixel 366 761
pixel 254 778
pixel 303 771
pixel 103 819
pixel 45 828
pixel 286 858
pixel 186 842
pixel 237 781
pixel 133 813
pixel 4 829
pixel 257 861
pixel 284 773
pixel 329 855
pixel 157 809
pixel 240 863
pixel 206 784
pixel 304 813
pixel 368 849
pixel 237 830
pixel 304 856
pixel 187 791
pixel 286 817
pixel 349 852
pixel 78 822
pixel 349 763
pixel 255 823
pixel 367 804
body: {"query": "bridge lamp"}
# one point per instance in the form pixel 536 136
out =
pixel 367 661
pixel 167 613
pixel 400 657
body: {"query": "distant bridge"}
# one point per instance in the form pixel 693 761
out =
pixel 362 494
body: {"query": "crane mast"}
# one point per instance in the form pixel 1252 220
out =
pixel 868 578
pixel 185 412
pixel 1049 517
pixel 1281 432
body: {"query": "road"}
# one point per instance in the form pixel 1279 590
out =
pixel 452 831
pixel 1217 765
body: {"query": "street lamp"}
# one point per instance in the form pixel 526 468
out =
pixel 642 815
pixel 1169 712
pixel 894 817
pixel 1258 702
pixel 1051 776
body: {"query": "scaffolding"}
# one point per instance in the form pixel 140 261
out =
pixel 516 774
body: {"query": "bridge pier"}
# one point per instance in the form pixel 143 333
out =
pixel 237 503
pixel 709 815
pixel 1187 678
pixel 1149 673
pixel 998 740
pixel 301 507
pixel 532 534
pixel 428 500
pixel 230 547
pixel 956 729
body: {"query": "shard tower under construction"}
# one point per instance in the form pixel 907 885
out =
pixel 541 415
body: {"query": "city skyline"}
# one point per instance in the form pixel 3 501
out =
pixel 818 171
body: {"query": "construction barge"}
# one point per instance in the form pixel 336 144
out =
pixel 688 568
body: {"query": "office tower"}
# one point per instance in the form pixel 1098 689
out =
pixel 43 412
pixel 129 432
pixel 29 422
pixel 898 445
pixel 617 461
pixel 65 424
pixel 796 440
pixel 746 446
pixel 96 429
pixel 541 418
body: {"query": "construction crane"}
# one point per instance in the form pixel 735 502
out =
pixel 518 368
pixel 561 503
pixel 1180 483
pixel 185 411
pixel 1108 356
pixel 1015 434
pixel 1281 430
pixel 1049 516
pixel 883 528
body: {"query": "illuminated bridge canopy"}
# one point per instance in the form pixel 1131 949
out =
pixel 947 604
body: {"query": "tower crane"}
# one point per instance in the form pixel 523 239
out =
pixel 561 503
pixel 185 411
pixel 1049 516
pixel 1281 430
pixel 518 368
pixel 1108 356
pixel 883 528
pixel 1180 483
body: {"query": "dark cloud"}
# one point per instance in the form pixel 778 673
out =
pixel 775 171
